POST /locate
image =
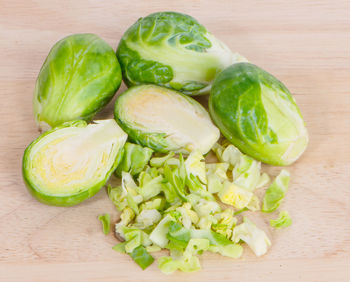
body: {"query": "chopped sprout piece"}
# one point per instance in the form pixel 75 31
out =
pixel 159 233
pixel 216 175
pixel 148 217
pixel 235 196
pixel 195 166
pixel 246 173
pixel 160 161
pixel 256 238
pixel 282 221
pixel 106 222
pixel 276 191
pixel 142 257
pixel 134 159
pixel 188 262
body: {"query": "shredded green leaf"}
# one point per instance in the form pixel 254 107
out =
pixel 106 222
pixel 276 191
pixel 172 203
pixel 282 221
pixel 142 257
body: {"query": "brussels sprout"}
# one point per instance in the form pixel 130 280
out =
pixel 257 113
pixel 78 78
pixel 172 50
pixel 70 163
pixel 165 120
pixel 134 159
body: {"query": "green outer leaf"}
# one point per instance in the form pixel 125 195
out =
pixel 55 200
pixel 276 192
pixel 282 221
pixel 142 257
pixel 106 222
pixel 134 159
pixel 153 50
pixel 236 106
pixel 178 235
pixel 78 78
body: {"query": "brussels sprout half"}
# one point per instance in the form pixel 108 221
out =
pixel 165 120
pixel 78 78
pixel 70 163
pixel 257 113
pixel 172 50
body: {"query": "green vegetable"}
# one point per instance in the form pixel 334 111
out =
pixel 70 163
pixel 216 175
pixel 276 191
pixel 257 114
pixel 168 206
pixel 218 243
pixel 150 186
pixel 78 78
pixel 148 217
pixel 282 221
pixel 142 257
pixel 106 223
pixel 135 158
pixel 159 233
pixel 188 262
pixel 172 50
pixel 235 196
pixel 165 120
pixel 256 238
pixel 160 161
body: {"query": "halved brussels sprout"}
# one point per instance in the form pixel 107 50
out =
pixel 70 163
pixel 172 50
pixel 257 114
pixel 165 120
pixel 78 78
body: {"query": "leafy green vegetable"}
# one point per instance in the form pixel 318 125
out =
pixel 169 206
pixel 282 221
pixel 159 233
pixel 188 262
pixel 256 238
pixel 78 78
pixel 218 243
pixel 134 159
pixel 106 222
pixel 149 186
pixel 165 120
pixel 142 257
pixel 148 217
pixel 70 163
pixel 246 173
pixel 172 50
pixel 257 114
pixel 160 161
pixel 276 191
pixel 235 196
pixel 216 176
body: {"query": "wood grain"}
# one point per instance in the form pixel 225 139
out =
pixel 304 43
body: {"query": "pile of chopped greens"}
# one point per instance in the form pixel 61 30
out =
pixel 188 206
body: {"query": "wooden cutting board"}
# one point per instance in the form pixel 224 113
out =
pixel 306 44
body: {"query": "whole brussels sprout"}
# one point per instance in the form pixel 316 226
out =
pixel 78 78
pixel 257 114
pixel 165 120
pixel 172 50
pixel 70 163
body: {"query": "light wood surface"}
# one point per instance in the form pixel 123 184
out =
pixel 306 44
